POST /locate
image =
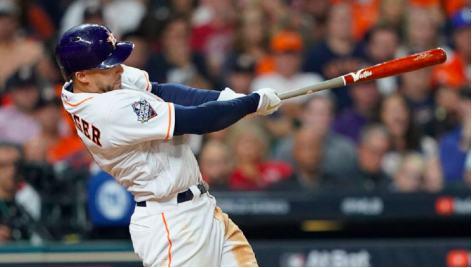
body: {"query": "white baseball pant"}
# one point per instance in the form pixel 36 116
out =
pixel 196 233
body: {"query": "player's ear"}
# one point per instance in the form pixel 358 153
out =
pixel 81 77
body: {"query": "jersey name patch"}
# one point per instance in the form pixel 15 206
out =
pixel 143 110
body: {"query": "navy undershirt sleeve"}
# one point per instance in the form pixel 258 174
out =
pixel 213 116
pixel 183 95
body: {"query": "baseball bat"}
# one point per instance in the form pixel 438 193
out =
pixel 381 70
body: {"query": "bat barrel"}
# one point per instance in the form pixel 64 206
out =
pixel 389 68
pixel 398 66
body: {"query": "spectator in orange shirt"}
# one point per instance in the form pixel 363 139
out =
pixel 49 145
pixel 455 72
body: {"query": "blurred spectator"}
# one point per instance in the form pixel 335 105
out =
pixel 49 145
pixel 215 165
pixel 140 55
pixel 287 49
pixel 252 171
pixel 301 22
pixel 446 114
pixel 410 175
pixel 451 7
pixel 35 19
pixel 421 32
pixel 241 74
pixel 368 174
pixel 318 10
pixel 308 174
pixel 276 12
pixel 94 15
pixel 183 7
pixel 17 122
pixel 364 15
pixel 15 50
pixel 382 45
pixel 120 16
pixel 213 37
pixel 414 174
pixel 392 13
pixel 176 63
pixel 18 211
pixel 415 87
pixel 396 116
pixel 339 154
pixel 455 72
pixel 338 54
pixel 251 40
pixel 433 7
pixel 455 145
pixel 366 99
pixel 467 170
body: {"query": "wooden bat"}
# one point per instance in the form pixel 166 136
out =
pixel 381 70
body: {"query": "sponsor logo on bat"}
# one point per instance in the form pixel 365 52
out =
pixel 423 55
pixel 361 74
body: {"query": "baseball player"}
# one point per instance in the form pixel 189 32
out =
pixel 135 130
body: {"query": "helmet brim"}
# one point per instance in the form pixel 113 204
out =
pixel 118 56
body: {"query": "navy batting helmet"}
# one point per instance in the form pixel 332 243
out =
pixel 90 46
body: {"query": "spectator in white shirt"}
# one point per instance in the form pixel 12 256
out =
pixel 287 48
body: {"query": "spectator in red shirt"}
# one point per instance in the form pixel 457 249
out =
pixel 214 38
pixel 252 170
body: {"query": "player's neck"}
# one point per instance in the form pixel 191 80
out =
pixel 81 88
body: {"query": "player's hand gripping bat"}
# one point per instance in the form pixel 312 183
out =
pixel 389 68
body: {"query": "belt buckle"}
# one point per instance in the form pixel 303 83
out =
pixel 203 187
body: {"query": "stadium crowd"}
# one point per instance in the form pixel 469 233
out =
pixel 399 134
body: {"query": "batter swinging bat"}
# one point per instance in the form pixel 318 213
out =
pixel 389 68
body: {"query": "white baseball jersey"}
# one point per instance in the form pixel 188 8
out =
pixel 129 133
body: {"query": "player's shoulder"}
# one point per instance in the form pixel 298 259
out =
pixel 123 98
pixel 135 79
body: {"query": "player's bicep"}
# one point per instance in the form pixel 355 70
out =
pixel 135 120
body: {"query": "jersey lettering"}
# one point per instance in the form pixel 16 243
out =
pixel 77 122
pixel 84 127
pixel 96 135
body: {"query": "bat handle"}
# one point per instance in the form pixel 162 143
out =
pixel 328 84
